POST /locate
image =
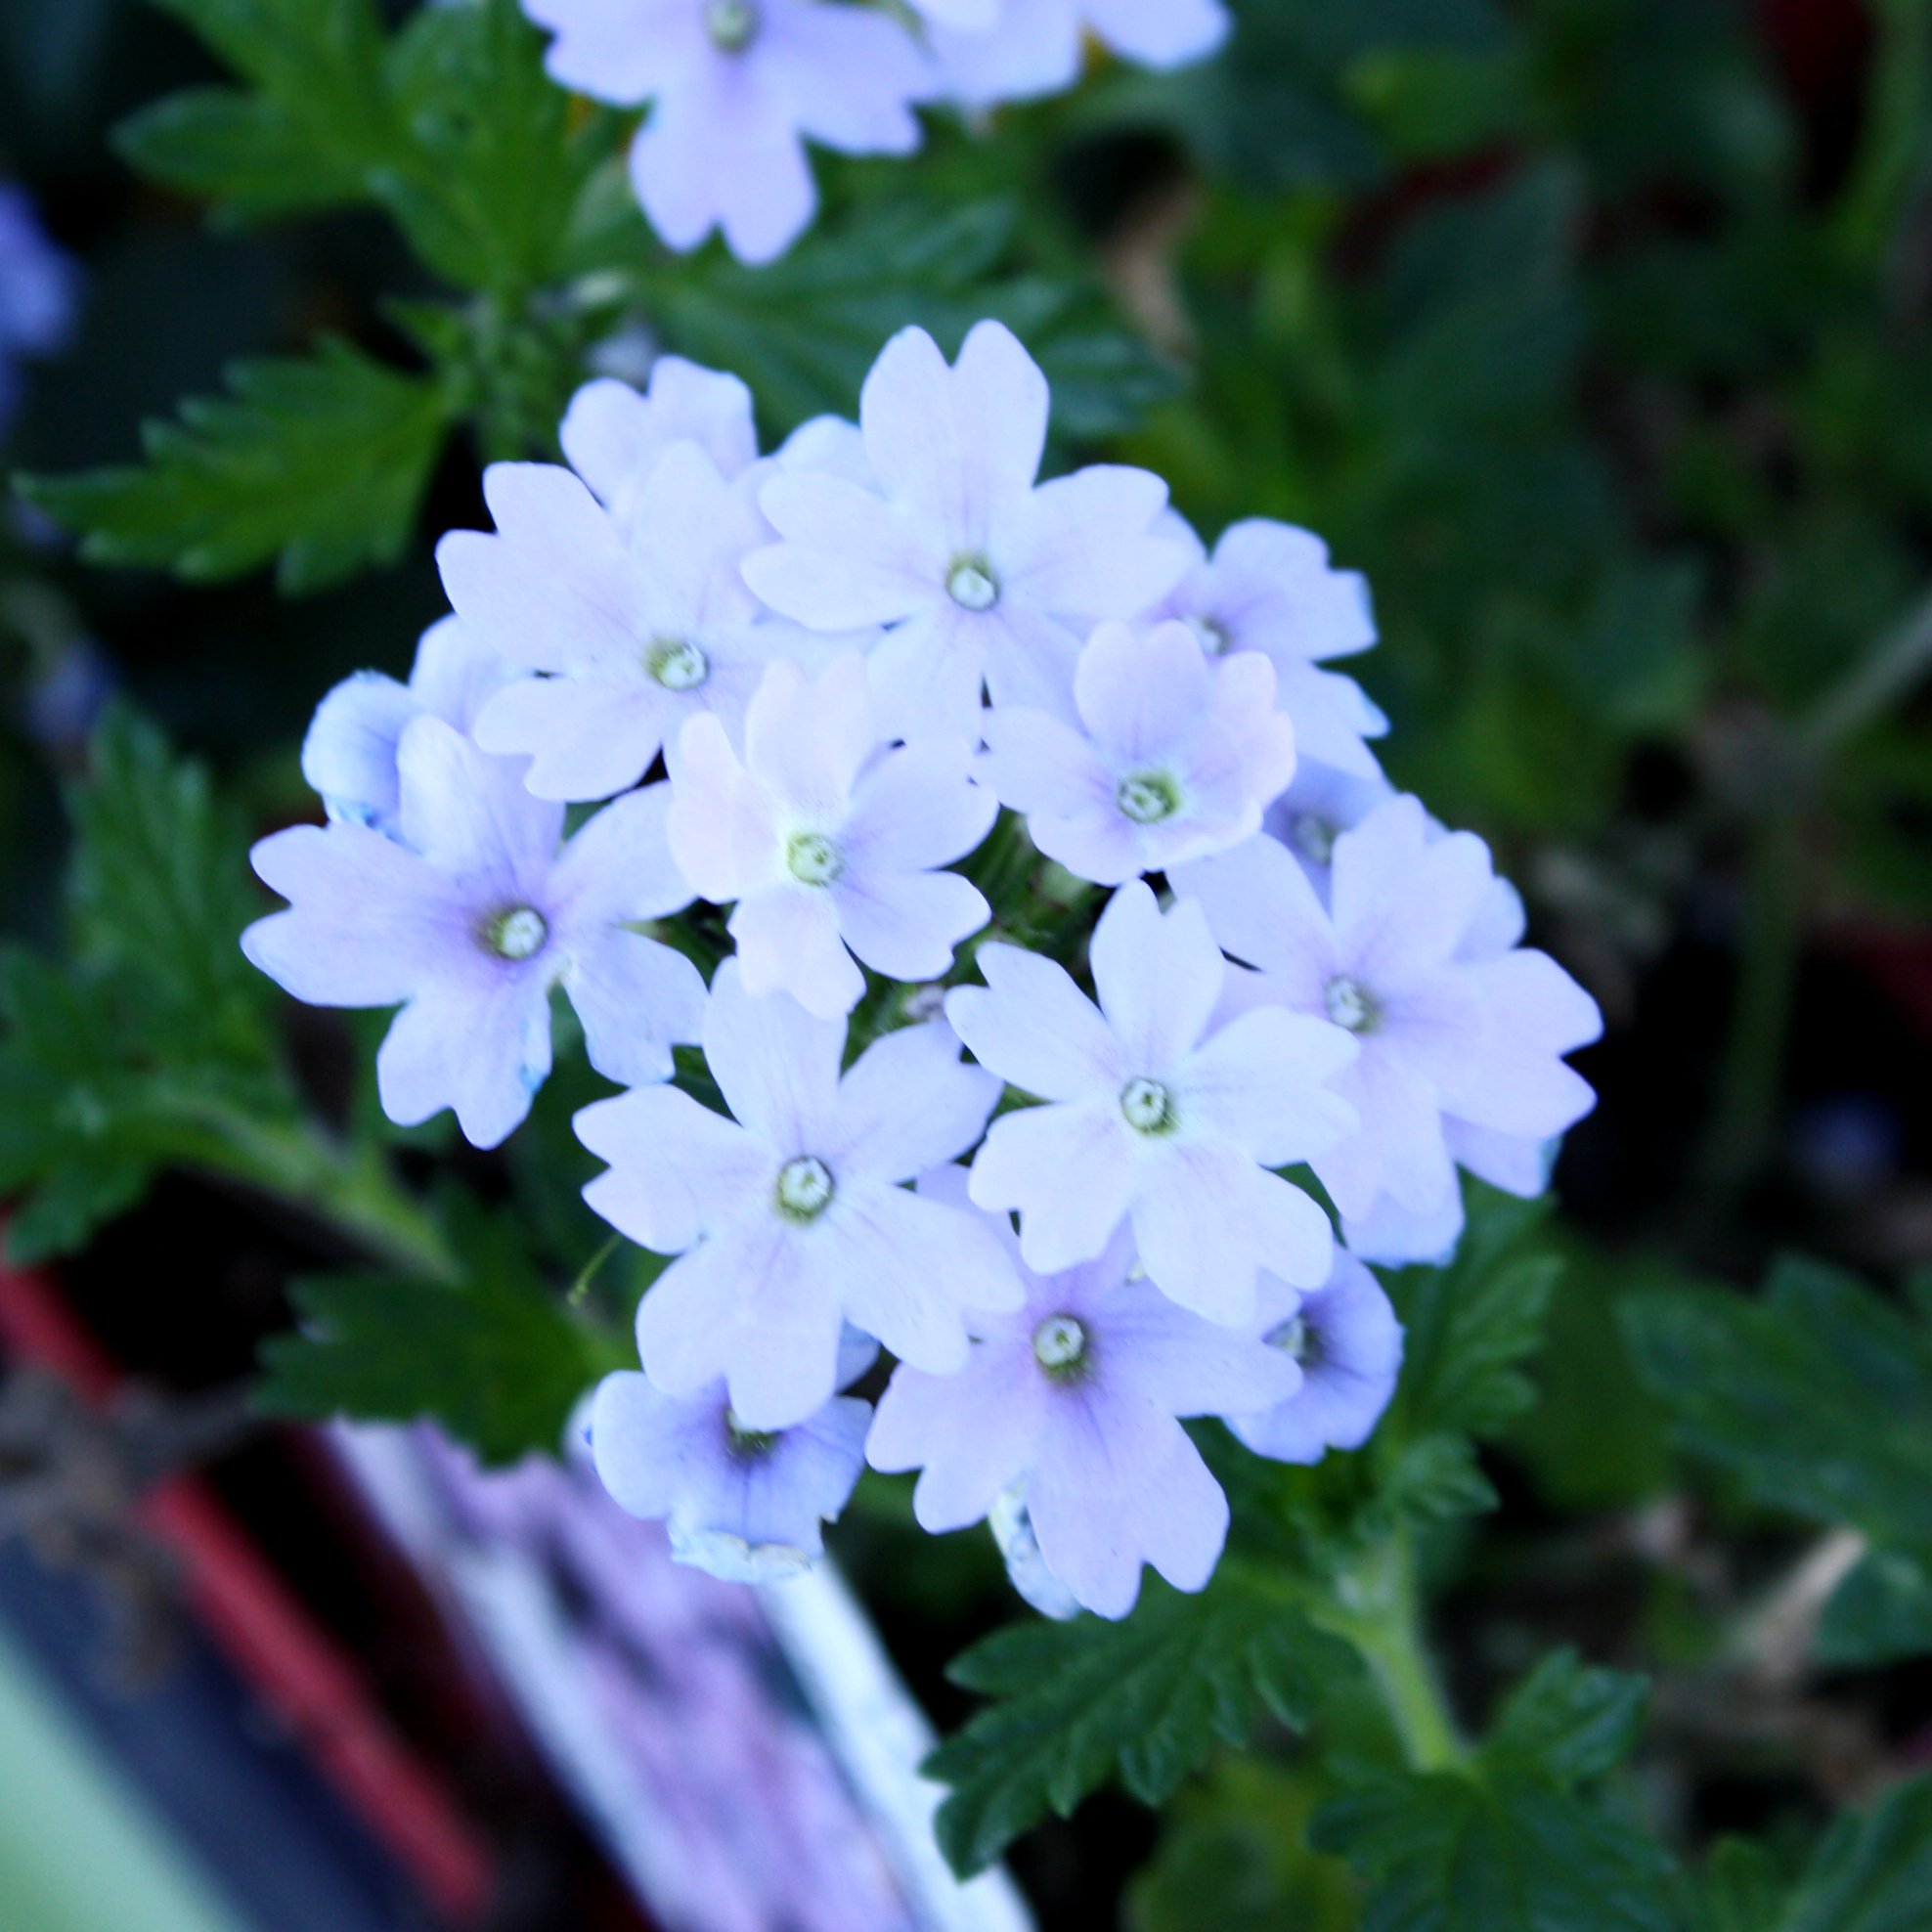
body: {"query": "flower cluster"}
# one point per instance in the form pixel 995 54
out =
pixel 735 88
pixel 1031 1126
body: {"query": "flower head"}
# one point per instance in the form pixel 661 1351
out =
pixel 1321 803
pixel 789 1217
pixel 614 437
pixel 1068 1407
pixel 349 755
pixel 827 843
pixel 736 88
pixel 744 1504
pixel 1035 46
pixel 1151 1116
pixel 1177 756
pixel 633 614
pixel 1269 587
pixel 1442 1035
pixel 468 919
pixel 984 572
pixel 1348 1344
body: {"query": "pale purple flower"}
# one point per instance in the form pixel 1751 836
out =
pixel 1348 1343
pixel 1442 1035
pixel 826 843
pixel 1068 1406
pixel 635 614
pixel 349 755
pixel 1177 755
pixel 1036 47
pixel 39 293
pixel 1151 1116
pixel 614 436
pixel 981 569
pixel 1321 803
pixel 468 920
pixel 1269 587
pixel 744 1504
pixel 736 88
pixel 789 1218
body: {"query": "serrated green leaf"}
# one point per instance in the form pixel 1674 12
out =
pixel 1567 1721
pixel 1742 1889
pixel 493 1355
pixel 306 133
pixel 1819 1398
pixel 1143 1699
pixel 320 465
pixel 1505 1852
pixel 805 331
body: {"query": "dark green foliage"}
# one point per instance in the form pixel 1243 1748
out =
pixel 1818 1399
pixel 804 332
pixel 316 466
pixel 1511 1843
pixel 1144 1699
pixel 152 1045
pixel 491 1354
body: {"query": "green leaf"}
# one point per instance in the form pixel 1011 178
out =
pixel 1742 1889
pixel 1567 1721
pixel 1467 1327
pixel 153 1045
pixel 1503 1853
pixel 1144 1698
pixel 320 465
pixel 494 1357
pixel 1881 1613
pixel 306 133
pixel 1819 1398
pixel 1873 1872
pixel 804 332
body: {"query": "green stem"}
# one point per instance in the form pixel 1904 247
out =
pixel 1894 148
pixel 1382 1615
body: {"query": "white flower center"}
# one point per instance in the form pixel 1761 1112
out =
pixel 1148 1106
pixel 677 664
pixel 1059 1347
pixel 749 1445
pixel 1350 1004
pixel 804 1188
pixel 813 860
pixel 1290 1337
pixel 1148 797
pixel 972 585
pixel 732 25
pixel 1313 837
pixel 518 934
pixel 1215 636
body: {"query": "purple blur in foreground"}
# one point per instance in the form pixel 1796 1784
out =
pixel 1072 1401
pixel 468 919
pixel 39 292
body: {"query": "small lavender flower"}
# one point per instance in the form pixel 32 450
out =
pixel 1442 1035
pixel 1269 587
pixel 1348 1343
pixel 789 1218
pixel 39 294
pixel 637 617
pixel 1321 803
pixel 1177 758
pixel 468 919
pixel 349 755
pixel 1036 48
pixel 1148 1119
pixel 827 845
pixel 614 437
pixel 1068 1407
pixel 736 88
pixel 981 570
pixel 744 1504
